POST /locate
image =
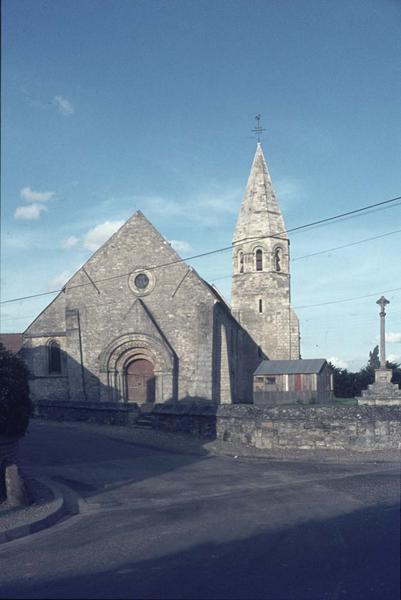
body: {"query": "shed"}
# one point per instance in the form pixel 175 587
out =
pixel 303 381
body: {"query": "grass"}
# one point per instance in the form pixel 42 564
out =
pixel 346 401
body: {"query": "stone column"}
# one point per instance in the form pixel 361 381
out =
pixel 382 302
pixel 383 375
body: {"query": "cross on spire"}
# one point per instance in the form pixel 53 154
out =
pixel 258 129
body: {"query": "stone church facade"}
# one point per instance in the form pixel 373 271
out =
pixel 137 324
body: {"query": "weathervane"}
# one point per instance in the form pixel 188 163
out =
pixel 258 129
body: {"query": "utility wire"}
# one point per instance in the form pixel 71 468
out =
pixel 376 237
pixel 218 250
pixel 346 299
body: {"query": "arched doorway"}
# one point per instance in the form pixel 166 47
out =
pixel 140 378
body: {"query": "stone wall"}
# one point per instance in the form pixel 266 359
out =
pixel 92 412
pixel 195 418
pixel 356 428
pixel 292 427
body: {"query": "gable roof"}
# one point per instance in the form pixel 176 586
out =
pixel 280 367
pixel 11 341
pixel 86 276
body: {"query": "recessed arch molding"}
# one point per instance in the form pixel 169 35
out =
pixel 116 357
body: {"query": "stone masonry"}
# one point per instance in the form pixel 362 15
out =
pixel 137 324
pixel 261 268
pixel 103 321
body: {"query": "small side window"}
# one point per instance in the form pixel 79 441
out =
pixel 241 262
pixel 54 357
pixel 278 255
pixel 259 259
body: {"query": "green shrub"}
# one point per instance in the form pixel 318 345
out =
pixel 15 403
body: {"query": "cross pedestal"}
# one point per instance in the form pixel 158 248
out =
pixel 383 375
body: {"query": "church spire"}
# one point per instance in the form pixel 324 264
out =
pixel 260 296
pixel 260 214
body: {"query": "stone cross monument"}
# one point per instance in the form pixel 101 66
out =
pixel 382 391
pixel 382 302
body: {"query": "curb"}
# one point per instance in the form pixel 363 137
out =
pixel 57 511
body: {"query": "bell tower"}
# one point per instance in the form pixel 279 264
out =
pixel 261 268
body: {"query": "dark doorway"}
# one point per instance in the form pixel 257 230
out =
pixel 140 381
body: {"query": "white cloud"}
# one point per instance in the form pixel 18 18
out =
pixel 58 281
pixel 31 196
pixel 393 336
pixel 30 212
pixel 290 189
pixel 181 246
pixel 338 362
pixel 394 358
pixel 63 105
pixel 221 201
pixel 206 208
pixel 96 236
pixel 70 242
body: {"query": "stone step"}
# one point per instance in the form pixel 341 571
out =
pixel 144 422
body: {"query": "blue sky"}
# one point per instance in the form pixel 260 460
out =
pixel 110 107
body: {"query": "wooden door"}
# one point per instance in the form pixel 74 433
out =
pixel 298 382
pixel 140 381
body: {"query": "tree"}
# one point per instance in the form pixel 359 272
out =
pixel 349 385
pixel 15 403
pixel 345 382
pixel 15 410
pixel 396 368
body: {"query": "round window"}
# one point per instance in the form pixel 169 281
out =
pixel 141 281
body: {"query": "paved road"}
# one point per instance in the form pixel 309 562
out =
pixel 162 525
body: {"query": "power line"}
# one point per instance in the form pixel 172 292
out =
pixel 346 214
pixel 376 237
pixel 217 250
pixel 346 299
pixel 33 296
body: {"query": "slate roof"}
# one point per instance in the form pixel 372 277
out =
pixel 280 367
pixel 11 341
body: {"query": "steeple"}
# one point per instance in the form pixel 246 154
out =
pixel 261 268
pixel 260 214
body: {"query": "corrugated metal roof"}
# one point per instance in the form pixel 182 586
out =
pixel 279 367
pixel 11 341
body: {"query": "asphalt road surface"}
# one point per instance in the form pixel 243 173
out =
pixel 156 524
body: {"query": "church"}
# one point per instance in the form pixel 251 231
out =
pixel 137 324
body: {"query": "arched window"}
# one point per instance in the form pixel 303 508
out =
pixel 259 259
pixel 278 255
pixel 54 357
pixel 241 262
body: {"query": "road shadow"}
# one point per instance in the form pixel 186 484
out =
pixel 354 556
pixel 90 460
